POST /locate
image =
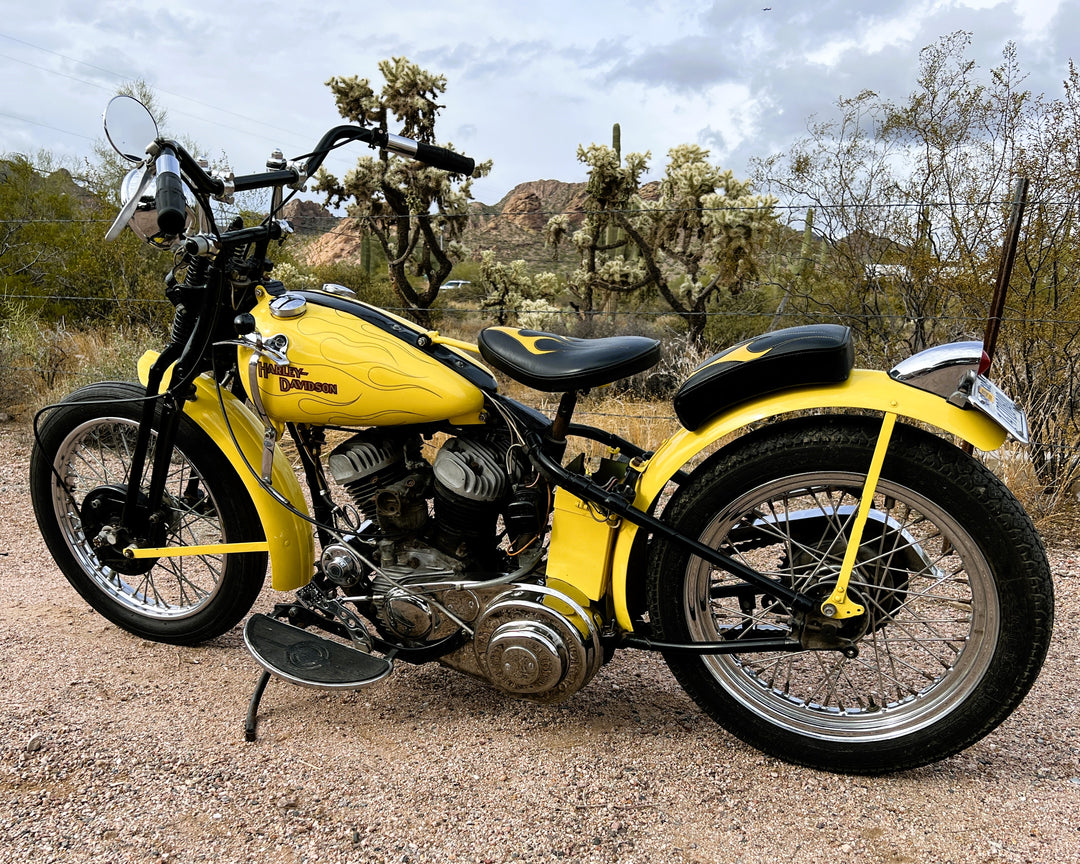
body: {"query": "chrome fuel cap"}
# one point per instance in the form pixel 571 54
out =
pixel 288 306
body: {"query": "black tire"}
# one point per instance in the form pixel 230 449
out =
pixel 953 575
pixel 86 440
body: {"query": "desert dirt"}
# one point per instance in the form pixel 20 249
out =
pixel 113 749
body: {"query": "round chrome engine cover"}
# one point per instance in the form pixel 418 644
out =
pixel 406 614
pixel 527 657
pixel 536 643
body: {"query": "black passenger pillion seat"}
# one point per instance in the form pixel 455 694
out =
pixel 559 364
pixel 781 360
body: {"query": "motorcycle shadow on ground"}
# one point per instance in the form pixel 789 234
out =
pixel 631 697
pixel 634 693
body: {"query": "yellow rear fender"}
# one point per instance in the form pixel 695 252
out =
pixel 290 538
pixel 864 389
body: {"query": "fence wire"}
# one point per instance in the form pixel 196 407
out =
pixel 783 262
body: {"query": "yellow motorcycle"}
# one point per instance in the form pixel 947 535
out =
pixel 832 582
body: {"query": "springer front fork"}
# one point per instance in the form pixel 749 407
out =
pixel 141 514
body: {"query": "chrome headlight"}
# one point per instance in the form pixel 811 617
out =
pixel 143 220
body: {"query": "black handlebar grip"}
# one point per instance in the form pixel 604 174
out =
pixel 169 200
pixel 445 160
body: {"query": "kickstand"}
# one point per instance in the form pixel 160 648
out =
pixel 253 708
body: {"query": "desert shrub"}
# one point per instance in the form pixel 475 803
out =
pixel 44 360
pixel 33 354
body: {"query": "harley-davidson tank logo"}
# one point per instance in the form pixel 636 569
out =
pixel 292 378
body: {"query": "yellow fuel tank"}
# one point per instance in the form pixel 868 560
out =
pixel 352 364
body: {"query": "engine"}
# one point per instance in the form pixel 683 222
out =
pixel 452 505
pixel 436 525
pixel 388 480
pixel 429 522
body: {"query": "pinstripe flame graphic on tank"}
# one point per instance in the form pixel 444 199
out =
pixel 360 374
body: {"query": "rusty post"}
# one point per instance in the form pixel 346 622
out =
pixel 1008 255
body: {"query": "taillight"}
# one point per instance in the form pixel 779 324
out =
pixel 984 363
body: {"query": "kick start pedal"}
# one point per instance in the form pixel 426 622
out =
pixel 308 659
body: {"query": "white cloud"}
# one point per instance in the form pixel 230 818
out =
pixel 1037 16
pixel 526 83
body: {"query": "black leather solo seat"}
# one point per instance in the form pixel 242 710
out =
pixel 560 364
pixel 792 357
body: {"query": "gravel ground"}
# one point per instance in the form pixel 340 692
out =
pixel 117 750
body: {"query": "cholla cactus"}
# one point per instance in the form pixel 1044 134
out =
pixel 413 211
pixel 694 241
pixel 294 278
pixel 515 296
pixel 538 314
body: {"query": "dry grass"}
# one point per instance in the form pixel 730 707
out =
pixel 647 423
pixel 1055 512
pixel 45 362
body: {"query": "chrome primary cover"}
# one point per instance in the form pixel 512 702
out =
pixel 536 643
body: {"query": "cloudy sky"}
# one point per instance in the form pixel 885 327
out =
pixel 527 82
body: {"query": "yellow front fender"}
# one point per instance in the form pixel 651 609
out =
pixel 292 546
pixel 864 389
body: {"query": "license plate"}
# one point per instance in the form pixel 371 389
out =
pixel 987 397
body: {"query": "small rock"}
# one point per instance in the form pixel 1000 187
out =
pixel 35 743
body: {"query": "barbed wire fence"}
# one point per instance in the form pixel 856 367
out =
pixel 331 226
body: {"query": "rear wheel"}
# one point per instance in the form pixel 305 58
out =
pixel 78 476
pixel 953 577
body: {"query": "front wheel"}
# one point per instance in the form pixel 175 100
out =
pixel 950 570
pixel 78 482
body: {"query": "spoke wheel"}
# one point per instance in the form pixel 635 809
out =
pixel 953 578
pixel 79 476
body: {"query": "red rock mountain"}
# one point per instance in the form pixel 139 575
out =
pixel 512 227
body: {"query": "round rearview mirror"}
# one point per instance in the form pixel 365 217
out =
pixel 129 126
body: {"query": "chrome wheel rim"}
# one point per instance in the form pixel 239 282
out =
pixel 926 641
pixel 98 453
